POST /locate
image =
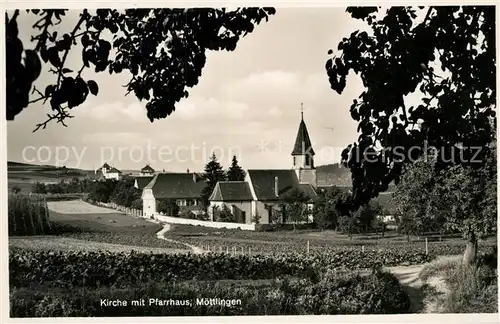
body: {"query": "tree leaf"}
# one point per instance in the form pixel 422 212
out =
pixel 48 90
pixel 93 87
pixel 53 56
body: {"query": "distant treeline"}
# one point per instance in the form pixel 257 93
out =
pixel 120 192
pixel 75 185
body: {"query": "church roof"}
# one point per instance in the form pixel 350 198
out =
pixel 302 142
pixel 231 191
pixel 263 182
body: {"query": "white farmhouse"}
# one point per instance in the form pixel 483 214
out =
pixel 109 172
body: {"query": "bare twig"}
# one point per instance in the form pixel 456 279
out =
pixel 60 116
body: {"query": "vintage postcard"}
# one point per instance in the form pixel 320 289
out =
pixel 251 161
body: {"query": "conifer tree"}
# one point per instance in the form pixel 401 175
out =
pixel 235 172
pixel 213 173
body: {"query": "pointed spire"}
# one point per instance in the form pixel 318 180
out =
pixel 302 142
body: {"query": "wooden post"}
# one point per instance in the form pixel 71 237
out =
pixel 308 247
pixel 227 249
pixel 249 251
pixel 363 248
pixel 242 252
pixel 426 247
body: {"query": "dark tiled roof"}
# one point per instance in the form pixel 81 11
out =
pixel 307 190
pixel 147 168
pixel 263 182
pixel 302 142
pixel 231 191
pixel 114 170
pixel 176 185
pixel 143 181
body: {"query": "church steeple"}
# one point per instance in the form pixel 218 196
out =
pixel 303 154
pixel 303 144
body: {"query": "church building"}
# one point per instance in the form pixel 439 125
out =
pixel 259 196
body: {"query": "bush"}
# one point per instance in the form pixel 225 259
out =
pixel 39 187
pixel 124 193
pixel 225 215
pixel 473 289
pixel 337 293
pixel 102 191
pixel 137 204
pixel 168 207
pixel 203 216
pixel 186 213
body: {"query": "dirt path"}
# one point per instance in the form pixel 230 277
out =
pixel 166 228
pixel 423 295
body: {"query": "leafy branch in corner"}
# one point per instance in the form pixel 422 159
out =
pixel 163 49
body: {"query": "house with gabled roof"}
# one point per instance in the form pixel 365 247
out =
pixel 147 170
pixel 109 172
pixel 113 173
pixel 264 189
pixel 183 188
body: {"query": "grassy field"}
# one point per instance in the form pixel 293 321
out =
pixel 23 175
pixel 76 224
pixel 90 253
pixel 301 240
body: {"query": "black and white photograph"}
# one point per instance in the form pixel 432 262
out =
pixel 244 161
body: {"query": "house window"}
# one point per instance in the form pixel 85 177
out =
pixel 307 159
pixel 294 160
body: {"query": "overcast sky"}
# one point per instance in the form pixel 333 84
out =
pixel 247 103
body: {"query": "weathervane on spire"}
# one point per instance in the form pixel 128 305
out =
pixel 302 110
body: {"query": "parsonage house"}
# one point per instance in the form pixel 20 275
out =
pixel 259 195
pixel 184 188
